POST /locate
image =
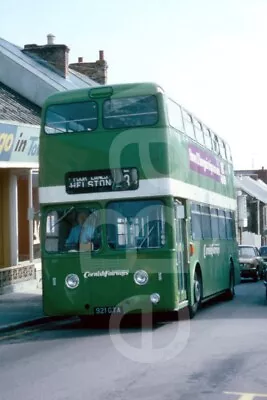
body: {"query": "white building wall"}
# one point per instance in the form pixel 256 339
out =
pixel 251 239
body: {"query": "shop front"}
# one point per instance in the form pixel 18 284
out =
pixel 19 204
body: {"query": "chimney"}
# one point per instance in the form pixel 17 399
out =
pixel 57 55
pixel 97 70
pixel 50 38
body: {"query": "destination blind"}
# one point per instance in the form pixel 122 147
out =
pixel 101 180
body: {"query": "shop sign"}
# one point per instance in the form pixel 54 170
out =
pixel 19 143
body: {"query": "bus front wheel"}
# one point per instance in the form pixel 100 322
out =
pixel 197 292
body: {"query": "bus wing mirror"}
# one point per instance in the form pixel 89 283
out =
pixel 32 214
pixel 180 212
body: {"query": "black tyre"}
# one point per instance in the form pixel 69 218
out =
pixel 86 321
pixel 230 292
pixel 257 276
pixel 198 290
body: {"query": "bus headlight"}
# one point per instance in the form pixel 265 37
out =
pixel 72 281
pixel 155 298
pixel 141 277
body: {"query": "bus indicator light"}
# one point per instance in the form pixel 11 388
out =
pixel 191 249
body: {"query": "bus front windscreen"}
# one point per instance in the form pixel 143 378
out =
pixel 136 224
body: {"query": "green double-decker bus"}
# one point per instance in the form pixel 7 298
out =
pixel 137 205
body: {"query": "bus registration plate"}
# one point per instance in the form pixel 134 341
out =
pixel 108 310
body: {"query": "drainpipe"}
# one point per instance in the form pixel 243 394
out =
pixel 258 217
pixel 30 208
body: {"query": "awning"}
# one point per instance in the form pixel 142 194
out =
pixel 254 188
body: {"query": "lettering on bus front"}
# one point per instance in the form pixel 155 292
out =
pixel 93 182
pixel 105 274
pixel 101 181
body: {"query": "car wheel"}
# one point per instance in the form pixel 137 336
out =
pixel 257 276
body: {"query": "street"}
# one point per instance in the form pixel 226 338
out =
pixel 219 355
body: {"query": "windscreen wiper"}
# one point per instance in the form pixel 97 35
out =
pixel 63 216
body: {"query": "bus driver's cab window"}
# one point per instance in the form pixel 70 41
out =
pixel 77 230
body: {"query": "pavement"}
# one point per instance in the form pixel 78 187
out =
pixel 22 307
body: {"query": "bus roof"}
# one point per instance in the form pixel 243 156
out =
pixel 124 89
pixel 121 89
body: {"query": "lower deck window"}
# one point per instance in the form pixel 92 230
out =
pixel 136 224
pixel 211 223
pixel 72 229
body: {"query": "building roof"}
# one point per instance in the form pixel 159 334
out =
pixel 252 187
pixel 32 77
pixel 14 107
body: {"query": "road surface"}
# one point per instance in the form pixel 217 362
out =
pixel 219 355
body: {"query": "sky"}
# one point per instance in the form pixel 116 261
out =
pixel 209 55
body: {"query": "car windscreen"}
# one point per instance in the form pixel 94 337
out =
pixel 246 252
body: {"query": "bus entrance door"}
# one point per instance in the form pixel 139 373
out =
pixel 180 250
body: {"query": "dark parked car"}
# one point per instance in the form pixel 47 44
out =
pixel 263 253
pixel 265 281
pixel 250 262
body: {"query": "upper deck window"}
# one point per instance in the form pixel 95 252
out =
pixel 222 149
pixel 130 112
pixel 228 152
pixel 72 117
pixel 207 138
pixel 175 115
pixel 198 131
pixel 189 127
pixel 215 143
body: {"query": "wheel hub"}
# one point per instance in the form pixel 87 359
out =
pixel 197 291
